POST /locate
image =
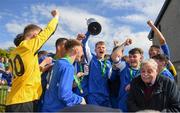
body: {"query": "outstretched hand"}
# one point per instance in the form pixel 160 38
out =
pixel 116 43
pixel 128 42
pixel 55 13
pixel 80 74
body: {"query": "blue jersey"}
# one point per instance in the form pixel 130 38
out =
pixel 7 77
pixel 46 75
pixel 59 94
pixel 167 73
pixel 166 52
pixel 98 81
pixel 127 74
pixel 45 78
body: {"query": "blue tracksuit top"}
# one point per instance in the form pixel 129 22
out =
pixel 126 74
pixel 166 52
pixel 59 94
pixel 98 85
pixel 45 77
pixel 167 73
pixel 7 77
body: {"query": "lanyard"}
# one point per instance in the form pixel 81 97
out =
pixel 55 57
pixel 81 70
pixel 103 67
pixel 81 67
pixel 77 80
pixel 68 58
pixel 131 73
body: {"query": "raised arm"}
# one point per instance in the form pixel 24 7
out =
pixel 87 52
pixel 118 51
pixel 36 43
pixel 159 35
pixel 164 46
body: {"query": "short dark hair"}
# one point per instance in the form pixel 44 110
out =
pixel 161 58
pixel 136 51
pixel 100 43
pixel 43 52
pixel 71 43
pixel 60 41
pixel 155 46
pixel 18 39
pixel 30 27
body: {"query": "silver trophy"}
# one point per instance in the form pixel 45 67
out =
pixel 94 28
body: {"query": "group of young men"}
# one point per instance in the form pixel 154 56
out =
pixel 74 75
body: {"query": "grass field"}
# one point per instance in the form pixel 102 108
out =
pixel 3 94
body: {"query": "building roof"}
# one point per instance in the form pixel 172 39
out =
pixel 163 10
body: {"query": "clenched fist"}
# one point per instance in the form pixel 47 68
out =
pixel 55 13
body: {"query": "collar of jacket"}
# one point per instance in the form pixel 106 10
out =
pixel 158 85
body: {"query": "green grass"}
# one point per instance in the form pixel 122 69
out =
pixel 3 94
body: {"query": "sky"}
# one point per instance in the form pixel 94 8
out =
pixel 120 19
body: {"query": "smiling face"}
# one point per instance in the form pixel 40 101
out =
pixel 149 71
pixel 135 57
pixel 153 51
pixel 135 60
pixel 161 64
pixel 100 50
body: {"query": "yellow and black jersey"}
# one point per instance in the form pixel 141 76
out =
pixel 26 83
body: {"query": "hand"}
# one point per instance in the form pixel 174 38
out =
pixel 47 67
pixel 80 37
pixel 2 82
pixel 127 88
pixel 46 61
pixel 83 102
pixel 80 74
pixel 150 23
pixel 116 43
pixel 55 13
pixel 128 41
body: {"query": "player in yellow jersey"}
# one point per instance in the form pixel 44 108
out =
pixel 26 84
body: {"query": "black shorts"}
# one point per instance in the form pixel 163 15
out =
pixel 22 107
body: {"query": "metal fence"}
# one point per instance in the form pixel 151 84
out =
pixel 3 94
